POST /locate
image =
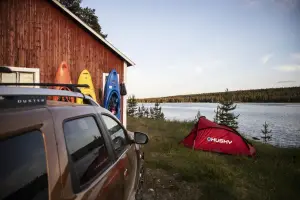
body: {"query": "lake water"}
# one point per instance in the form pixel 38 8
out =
pixel 283 118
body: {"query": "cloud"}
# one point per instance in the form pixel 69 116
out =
pixel 290 4
pixel 283 5
pixel 251 2
pixel 217 63
pixel 213 64
pixel 288 68
pixel 286 82
pixel 296 56
pixel 266 58
pixel 171 67
pixel 198 70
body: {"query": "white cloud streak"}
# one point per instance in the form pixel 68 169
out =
pixel 265 59
pixel 251 2
pixel 198 70
pixel 286 82
pixel 289 68
pixel 296 56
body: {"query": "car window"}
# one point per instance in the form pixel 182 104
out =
pixel 86 148
pixel 23 171
pixel 117 134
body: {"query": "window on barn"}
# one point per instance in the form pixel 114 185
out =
pixel 21 75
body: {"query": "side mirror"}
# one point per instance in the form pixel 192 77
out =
pixel 140 138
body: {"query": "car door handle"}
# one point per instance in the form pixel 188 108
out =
pixel 126 172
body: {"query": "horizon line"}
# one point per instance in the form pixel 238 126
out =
pixel 214 92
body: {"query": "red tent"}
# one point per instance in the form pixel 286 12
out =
pixel 209 136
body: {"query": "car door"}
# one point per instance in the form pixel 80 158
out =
pixel 125 153
pixel 86 156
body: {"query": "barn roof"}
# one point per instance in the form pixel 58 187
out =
pixel 98 36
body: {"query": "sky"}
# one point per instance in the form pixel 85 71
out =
pixel 200 46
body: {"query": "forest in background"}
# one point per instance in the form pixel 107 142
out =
pixel 269 95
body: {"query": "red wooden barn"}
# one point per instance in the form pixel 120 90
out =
pixel 37 35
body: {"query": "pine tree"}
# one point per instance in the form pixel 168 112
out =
pixel 224 113
pixel 146 113
pixel 87 14
pixel 157 113
pixel 143 110
pixel 152 116
pixel 197 117
pixel 266 133
pixel 140 113
pixel 131 106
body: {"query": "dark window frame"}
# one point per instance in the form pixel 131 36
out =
pixel 128 140
pixel 77 188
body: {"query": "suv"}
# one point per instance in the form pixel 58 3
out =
pixel 62 150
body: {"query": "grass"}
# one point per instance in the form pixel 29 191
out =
pixel 273 174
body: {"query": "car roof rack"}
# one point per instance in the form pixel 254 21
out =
pixel 72 87
pixel 24 96
pixel 4 69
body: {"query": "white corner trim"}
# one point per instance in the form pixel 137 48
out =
pixel 125 96
pixel 94 32
pixel 103 82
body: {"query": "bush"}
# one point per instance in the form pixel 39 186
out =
pixel 266 133
pixel 152 112
pixel 131 106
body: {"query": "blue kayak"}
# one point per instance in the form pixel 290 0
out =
pixel 112 97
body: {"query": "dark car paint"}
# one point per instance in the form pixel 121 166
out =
pixel 129 158
pixel 118 181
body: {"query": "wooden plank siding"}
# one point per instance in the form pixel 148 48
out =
pixel 36 34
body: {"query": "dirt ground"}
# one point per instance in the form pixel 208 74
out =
pixel 159 185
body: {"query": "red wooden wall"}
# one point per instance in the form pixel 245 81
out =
pixel 36 34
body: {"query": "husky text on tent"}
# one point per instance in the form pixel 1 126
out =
pixel 210 139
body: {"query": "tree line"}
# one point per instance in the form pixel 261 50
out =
pixel 276 95
pixel 140 111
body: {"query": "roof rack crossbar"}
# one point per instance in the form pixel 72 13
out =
pixel 20 91
pixel 4 69
pixel 46 85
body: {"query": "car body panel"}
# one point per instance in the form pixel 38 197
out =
pixel 18 121
pixel 131 170
pixel 132 167
pixel 108 185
